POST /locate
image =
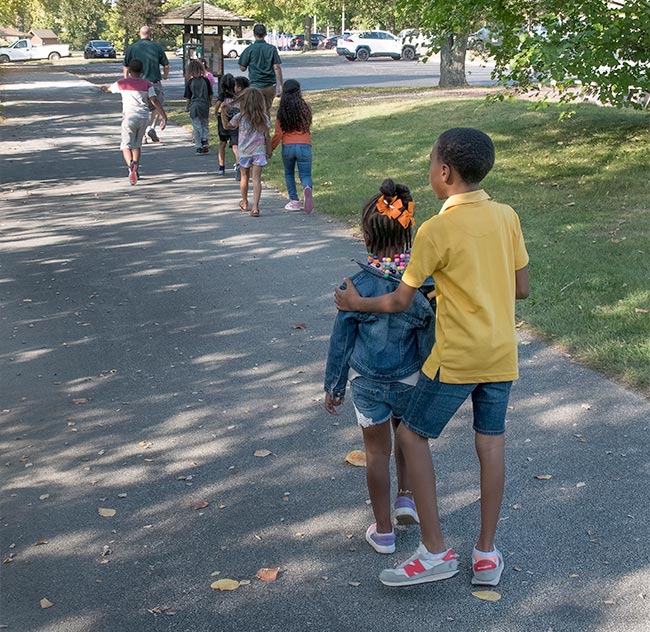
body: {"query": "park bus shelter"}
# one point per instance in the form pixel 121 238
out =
pixel 203 26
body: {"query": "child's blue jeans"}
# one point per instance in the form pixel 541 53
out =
pixel 299 154
pixel 200 127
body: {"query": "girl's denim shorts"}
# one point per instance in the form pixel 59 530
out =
pixel 376 402
pixel 434 403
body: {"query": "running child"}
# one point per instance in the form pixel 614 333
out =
pixel 254 143
pixel 198 95
pixel 292 128
pixel 382 357
pixel 475 251
pixel 136 93
pixel 225 97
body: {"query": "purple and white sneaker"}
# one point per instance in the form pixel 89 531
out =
pixel 381 542
pixel 405 511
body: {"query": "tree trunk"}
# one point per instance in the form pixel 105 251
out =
pixel 307 43
pixel 452 61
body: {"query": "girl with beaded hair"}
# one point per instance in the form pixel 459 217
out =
pixel 381 355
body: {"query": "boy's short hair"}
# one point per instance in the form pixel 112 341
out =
pixel 259 30
pixel 469 151
pixel 135 67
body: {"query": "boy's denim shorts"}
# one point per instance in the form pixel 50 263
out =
pixel 434 403
pixel 376 402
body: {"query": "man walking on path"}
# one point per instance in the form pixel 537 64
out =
pixel 152 56
pixel 263 64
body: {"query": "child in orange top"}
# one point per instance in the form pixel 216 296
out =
pixel 475 251
pixel 292 128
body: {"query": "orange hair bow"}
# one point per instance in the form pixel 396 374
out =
pixel 395 210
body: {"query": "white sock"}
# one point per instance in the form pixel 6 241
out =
pixel 483 553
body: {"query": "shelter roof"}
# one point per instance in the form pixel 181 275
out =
pixel 212 16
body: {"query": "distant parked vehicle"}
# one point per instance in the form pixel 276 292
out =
pixel 23 50
pixel 234 48
pixel 315 39
pixel 366 44
pixel 99 48
pixel 330 42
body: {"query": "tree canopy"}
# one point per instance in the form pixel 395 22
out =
pixel 595 48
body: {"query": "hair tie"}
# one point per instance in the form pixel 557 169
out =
pixel 395 210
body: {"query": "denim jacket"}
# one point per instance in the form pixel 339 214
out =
pixel 380 347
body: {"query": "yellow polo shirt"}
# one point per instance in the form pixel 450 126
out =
pixel 472 249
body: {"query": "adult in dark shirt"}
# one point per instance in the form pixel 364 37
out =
pixel 263 64
pixel 152 56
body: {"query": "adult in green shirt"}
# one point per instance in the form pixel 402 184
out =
pixel 152 56
pixel 263 64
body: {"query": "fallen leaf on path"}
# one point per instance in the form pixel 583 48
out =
pixel 225 584
pixel 487 595
pixel 202 504
pixel 268 574
pixel 170 612
pixel 356 458
pixel 543 477
pixel 45 603
pixel 262 453
pixel 106 512
pixel 40 542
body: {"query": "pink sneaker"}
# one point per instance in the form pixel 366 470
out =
pixel 133 173
pixel 309 200
pixel 293 205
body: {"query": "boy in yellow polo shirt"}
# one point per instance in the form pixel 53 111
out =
pixel 475 251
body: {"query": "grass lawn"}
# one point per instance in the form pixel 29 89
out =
pixel 579 185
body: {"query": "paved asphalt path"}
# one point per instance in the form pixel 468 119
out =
pixel 154 337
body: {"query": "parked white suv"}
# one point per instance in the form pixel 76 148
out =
pixel 368 44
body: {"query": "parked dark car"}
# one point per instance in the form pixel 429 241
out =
pixel 330 42
pixel 298 41
pixel 99 48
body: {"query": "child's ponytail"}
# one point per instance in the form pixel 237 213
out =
pixel 387 219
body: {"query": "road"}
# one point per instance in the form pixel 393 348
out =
pixel 153 338
pixel 320 70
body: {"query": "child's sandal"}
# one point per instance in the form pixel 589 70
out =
pixel 243 206
pixel 255 212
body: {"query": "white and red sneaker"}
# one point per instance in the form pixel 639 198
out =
pixel 133 173
pixel 487 567
pixel 420 568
